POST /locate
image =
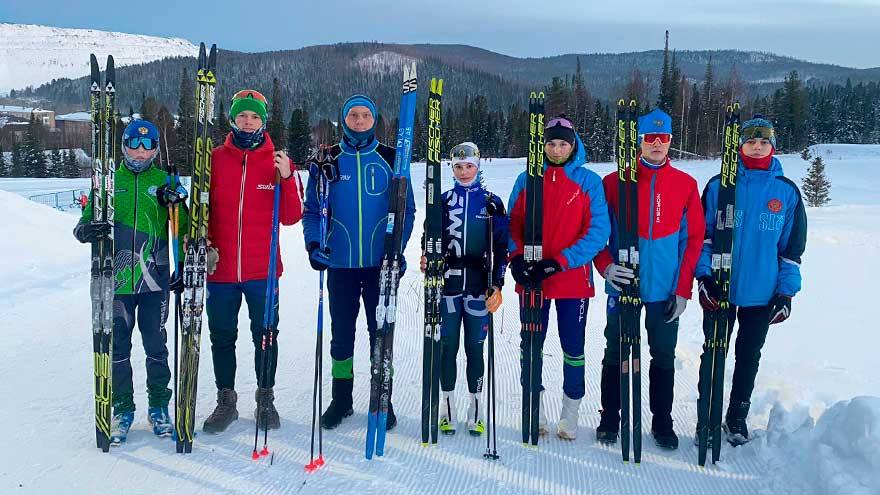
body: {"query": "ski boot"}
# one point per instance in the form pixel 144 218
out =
pixel 567 427
pixel 475 423
pixel 340 405
pixel 119 427
pixel 160 421
pixel 446 422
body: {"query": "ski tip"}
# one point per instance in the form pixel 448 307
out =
pixel 412 71
pixel 212 57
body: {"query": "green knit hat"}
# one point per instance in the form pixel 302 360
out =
pixel 248 99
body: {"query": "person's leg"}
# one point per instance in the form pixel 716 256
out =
pixel 754 323
pixel 265 353
pixel 571 317
pixel 123 325
pixel 343 291
pixel 152 312
pixel 224 301
pixel 476 328
pixel 662 339
pixel 452 314
pixel 609 424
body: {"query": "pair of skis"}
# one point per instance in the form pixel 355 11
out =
pixel 102 107
pixel 532 297
pixel 629 301
pixel 433 270
pixel 715 323
pixel 389 274
pixel 195 268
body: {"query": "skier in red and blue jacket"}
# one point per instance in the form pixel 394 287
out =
pixel 770 235
pixel 575 229
pixel 671 229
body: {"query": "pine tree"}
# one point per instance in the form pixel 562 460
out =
pixel 149 108
pixel 18 167
pixel 222 127
pixel 185 130
pixel 4 165
pixel 32 151
pixel 275 126
pixel 71 165
pixel 581 98
pixel 558 96
pixel 667 82
pixel 56 164
pixel 816 185
pixel 299 136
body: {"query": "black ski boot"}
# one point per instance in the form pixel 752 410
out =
pixel 609 425
pixel 735 423
pixel 265 411
pixel 660 395
pixel 225 412
pixel 340 405
pixel 391 420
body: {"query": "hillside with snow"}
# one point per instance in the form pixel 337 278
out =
pixel 815 412
pixel 31 55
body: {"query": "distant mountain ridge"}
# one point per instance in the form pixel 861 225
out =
pixel 321 76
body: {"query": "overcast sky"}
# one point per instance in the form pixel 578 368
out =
pixel 845 32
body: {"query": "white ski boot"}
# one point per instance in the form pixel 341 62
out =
pixel 447 413
pixel 475 423
pixel 568 419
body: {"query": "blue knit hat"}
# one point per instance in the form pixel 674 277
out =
pixel 656 122
pixel 358 138
pixel 757 121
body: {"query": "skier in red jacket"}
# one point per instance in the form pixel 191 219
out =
pixel 240 227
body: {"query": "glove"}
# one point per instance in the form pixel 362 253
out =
pixel 213 259
pixel 92 232
pixel 318 258
pixel 545 269
pixel 617 275
pixel 780 308
pixel 175 285
pixel 167 195
pixel 494 299
pixel 674 308
pixel 519 271
pixel 709 294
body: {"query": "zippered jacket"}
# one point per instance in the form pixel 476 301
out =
pixel 241 203
pixel 671 228
pixel 575 224
pixel 358 205
pixel 769 235
pixel 140 231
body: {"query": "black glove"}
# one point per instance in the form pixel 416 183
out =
pixel 318 258
pixel 544 269
pixel 167 195
pixel 175 285
pixel 780 308
pixel 710 294
pixel 92 232
pixel 519 271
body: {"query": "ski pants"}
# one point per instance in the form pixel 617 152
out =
pixel 470 311
pixel 662 339
pixel 224 302
pixel 571 319
pixel 754 322
pixel 150 310
pixel 346 288
pixel 662 336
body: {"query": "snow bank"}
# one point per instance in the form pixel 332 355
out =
pixel 839 455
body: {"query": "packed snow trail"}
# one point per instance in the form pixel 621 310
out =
pixel 818 357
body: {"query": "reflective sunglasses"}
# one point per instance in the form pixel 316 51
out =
pixel 134 142
pixel 757 133
pixel 249 93
pixel 653 137
pixel 462 152
pixel 560 122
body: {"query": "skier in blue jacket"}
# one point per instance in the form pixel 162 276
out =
pixel 467 210
pixel 770 234
pixel 359 170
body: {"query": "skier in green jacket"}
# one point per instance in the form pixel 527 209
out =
pixel 143 195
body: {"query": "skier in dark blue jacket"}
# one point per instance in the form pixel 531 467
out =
pixel 359 170
pixel 770 234
pixel 467 208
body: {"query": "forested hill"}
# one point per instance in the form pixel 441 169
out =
pixel 320 77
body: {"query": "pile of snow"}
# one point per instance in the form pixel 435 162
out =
pixel 31 55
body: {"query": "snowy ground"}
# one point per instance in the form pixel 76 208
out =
pixel 816 412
